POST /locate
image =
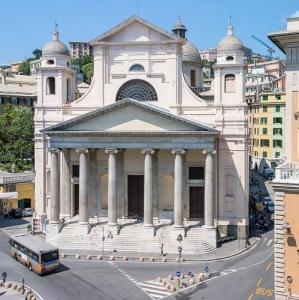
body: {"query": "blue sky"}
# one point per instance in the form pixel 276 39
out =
pixel 26 25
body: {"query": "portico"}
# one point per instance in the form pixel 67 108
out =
pixel 158 181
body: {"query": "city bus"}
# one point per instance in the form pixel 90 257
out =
pixel 34 253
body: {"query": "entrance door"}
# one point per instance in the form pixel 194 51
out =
pixel 76 196
pixel 196 202
pixel 135 195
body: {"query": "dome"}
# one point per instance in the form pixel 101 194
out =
pixel 230 42
pixel 55 47
pixel 190 53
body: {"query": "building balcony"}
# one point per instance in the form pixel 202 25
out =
pixel 287 172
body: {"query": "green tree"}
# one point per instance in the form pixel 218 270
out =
pixel 87 71
pixel 25 67
pixel 16 138
pixel 37 53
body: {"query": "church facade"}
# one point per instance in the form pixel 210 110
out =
pixel 145 144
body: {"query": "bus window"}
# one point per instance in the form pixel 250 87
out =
pixel 49 256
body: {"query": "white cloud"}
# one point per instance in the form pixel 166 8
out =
pixel 296 14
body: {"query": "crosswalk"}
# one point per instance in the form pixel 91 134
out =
pixel 153 289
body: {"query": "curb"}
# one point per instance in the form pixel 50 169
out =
pixel 137 258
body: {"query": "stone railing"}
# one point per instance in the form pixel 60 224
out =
pixel 287 171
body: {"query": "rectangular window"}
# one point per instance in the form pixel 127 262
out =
pixel 277 143
pixel 265 143
pixel 196 173
pixel 256 153
pixel 75 170
pixel 277 154
pixel 193 78
pixel 277 120
pixel 277 131
pixel 277 108
pixel 258 131
pixel 277 97
pixel 264 121
pixel 265 154
pixel 265 130
pixel 265 97
pixel 265 108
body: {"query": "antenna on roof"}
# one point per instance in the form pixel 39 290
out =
pixel 55 26
pixel 230 20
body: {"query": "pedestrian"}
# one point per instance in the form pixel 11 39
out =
pixel 161 247
pixel 247 242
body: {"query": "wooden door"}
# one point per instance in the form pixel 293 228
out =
pixel 76 195
pixel 196 202
pixel 135 195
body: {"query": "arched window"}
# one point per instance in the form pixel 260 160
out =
pixel 137 89
pixel 229 58
pixel 136 68
pixel 230 83
pixel 51 85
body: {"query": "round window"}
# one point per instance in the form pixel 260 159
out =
pixel 230 58
pixel 50 62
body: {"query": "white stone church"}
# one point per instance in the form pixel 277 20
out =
pixel 146 154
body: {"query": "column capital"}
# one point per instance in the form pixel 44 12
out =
pixel 178 151
pixel 209 151
pixel 147 151
pixel 111 150
pixel 82 150
pixel 54 150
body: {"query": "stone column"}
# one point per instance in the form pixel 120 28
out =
pixel 83 190
pixel 178 187
pixel 148 187
pixel 65 184
pixel 209 179
pixel 54 173
pixel 112 173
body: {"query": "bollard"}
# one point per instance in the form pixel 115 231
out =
pixel 170 277
pixel 88 257
pixel 100 257
pixel 141 259
pixel 177 259
pixel 125 258
pixel 77 256
pixel 173 289
pixel 151 259
pixel 159 279
pixel 19 289
pixel 182 276
pixel 164 259
pixel 164 282
pixel 62 255
pixel 14 287
pixel 167 286
pixel 112 258
pixel 191 281
pixel 182 259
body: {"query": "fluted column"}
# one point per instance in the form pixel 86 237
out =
pixel 83 188
pixel 148 187
pixel 209 178
pixel 112 172
pixel 65 184
pixel 54 173
pixel 178 187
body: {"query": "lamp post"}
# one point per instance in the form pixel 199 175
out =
pixel 180 249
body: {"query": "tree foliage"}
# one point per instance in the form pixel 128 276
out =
pixel 25 65
pixel 37 53
pixel 86 67
pixel 16 138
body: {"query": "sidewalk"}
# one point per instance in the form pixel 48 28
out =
pixel 226 250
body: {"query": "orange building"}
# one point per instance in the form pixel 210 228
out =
pixel 286 182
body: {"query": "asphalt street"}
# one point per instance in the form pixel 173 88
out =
pixel 248 276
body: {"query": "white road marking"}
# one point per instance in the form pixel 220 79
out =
pixel 147 285
pixel 157 292
pixel 269 242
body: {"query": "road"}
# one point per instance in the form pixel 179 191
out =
pixel 248 276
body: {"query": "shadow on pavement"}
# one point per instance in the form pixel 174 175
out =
pixel 12 222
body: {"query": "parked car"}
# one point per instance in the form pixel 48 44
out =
pixel 267 172
pixel 28 212
pixel 15 213
pixel 270 207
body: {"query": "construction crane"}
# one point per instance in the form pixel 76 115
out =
pixel 270 50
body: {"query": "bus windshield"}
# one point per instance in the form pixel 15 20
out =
pixel 49 256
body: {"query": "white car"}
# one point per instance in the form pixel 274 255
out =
pixel 28 212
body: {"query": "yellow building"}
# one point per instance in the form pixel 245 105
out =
pixel 16 190
pixel 286 182
pixel 267 126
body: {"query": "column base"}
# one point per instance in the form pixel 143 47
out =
pixel 65 217
pixel 208 227
pixel 52 228
pixel 175 226
pixel 83 228
pixel 148 225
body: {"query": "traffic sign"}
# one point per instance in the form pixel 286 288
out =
pixel 206 269
pixel 178 273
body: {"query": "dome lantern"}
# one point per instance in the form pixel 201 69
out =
pixel 179 29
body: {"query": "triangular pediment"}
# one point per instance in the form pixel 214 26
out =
pixel 134 29
pixel 130 116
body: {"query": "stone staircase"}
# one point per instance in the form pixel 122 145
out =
pixel 134 237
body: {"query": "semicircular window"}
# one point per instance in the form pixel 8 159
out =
pixel 136 68
pixel 138 90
